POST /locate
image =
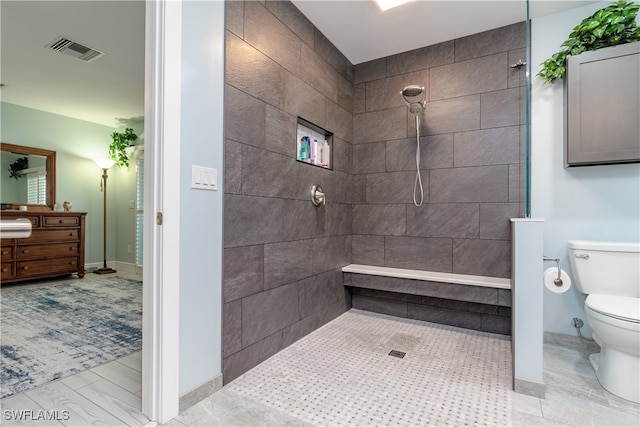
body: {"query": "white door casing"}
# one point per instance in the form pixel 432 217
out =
pixel 161 259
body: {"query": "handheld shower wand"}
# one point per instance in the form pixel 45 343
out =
pixel 409 93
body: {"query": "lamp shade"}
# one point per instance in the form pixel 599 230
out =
pixel 104 163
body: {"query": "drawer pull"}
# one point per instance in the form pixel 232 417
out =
pixel 59 221
pixel 26 251
pixel 5 269
pixel 72 248
pixel 26 267
pixel 5 252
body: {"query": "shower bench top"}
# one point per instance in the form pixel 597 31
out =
pixel 432 276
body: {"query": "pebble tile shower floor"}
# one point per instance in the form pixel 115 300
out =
pixel 342 374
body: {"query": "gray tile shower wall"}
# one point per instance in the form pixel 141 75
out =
pixel 282 256
pixel 471 138
pixel 471 307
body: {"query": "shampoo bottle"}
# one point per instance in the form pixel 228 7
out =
pixel 326 154
pixel 313 150
pixel 304 149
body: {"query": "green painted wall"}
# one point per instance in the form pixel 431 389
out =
pixel 76 143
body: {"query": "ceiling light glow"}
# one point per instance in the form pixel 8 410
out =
pixel 388 4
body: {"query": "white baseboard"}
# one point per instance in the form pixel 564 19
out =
pixel 121 267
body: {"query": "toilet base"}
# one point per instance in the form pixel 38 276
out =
pixel 618 373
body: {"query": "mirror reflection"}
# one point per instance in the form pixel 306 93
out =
pixel 28 177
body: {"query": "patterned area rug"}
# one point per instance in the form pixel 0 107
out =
pixel 66 327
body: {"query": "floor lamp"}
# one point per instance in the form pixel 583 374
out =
pixel 104 164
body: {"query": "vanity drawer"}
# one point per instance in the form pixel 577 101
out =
pixel 51 236
pixel 49 267
pixel 50 250
pixel 6 253
pixel 61 221
pixel 6 271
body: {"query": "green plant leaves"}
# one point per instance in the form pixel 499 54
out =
pixel 121 140
pixel 611 26
pixel 15 168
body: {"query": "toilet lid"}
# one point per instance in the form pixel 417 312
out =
pixel 624 308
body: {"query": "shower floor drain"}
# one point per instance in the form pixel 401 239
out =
pixel 396 353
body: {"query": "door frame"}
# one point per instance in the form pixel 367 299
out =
pixel 161 258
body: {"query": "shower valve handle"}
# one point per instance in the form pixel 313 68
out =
pixel 317 196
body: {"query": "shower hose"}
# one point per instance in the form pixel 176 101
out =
pixel 418 182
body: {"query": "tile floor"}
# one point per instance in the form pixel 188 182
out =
pixel 342 374
pixel 107 395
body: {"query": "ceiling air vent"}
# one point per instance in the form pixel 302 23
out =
pixel 69 47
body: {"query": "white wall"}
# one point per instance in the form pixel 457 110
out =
pixel 201 211
pixel 587 203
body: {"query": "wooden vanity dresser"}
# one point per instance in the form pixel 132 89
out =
pixel 55 247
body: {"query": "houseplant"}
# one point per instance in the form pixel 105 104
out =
pixel 120 142
pixel 16 167
pixel 611 26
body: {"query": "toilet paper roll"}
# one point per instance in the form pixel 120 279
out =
pixel 550 274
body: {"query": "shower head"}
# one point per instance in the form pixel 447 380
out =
pixel 413 91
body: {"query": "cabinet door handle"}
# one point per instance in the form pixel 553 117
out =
pixel 5 252
pixel 26 267
pixel 5 269
pixel 25 251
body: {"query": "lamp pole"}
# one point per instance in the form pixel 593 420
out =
pixel 104 165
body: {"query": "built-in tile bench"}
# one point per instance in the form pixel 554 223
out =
pixel 473 302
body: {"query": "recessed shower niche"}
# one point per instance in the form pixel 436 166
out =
pixel 314 145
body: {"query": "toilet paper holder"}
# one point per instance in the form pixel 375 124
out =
pixel 558 280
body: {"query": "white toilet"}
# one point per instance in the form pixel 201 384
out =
pixel 609 274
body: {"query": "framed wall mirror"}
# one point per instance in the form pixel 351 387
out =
pixel 28 177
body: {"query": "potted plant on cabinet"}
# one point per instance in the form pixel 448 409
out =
pixel 611 26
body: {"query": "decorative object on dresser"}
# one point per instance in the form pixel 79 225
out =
pixel 104 164
pixel 55 247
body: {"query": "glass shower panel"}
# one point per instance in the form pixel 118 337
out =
pixel 525 141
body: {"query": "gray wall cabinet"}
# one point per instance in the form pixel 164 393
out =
pixel 602 106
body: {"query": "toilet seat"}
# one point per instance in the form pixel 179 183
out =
pixel 618 307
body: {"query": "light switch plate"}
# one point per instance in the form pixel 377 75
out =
pixel 204 178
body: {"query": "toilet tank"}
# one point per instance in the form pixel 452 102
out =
pixel 610 268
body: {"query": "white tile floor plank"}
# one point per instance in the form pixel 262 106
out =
pixel 115 400
pixel 80 380
pixel 133 361
pixel 128 378
pixel 227 408
pixel 20 410
pixel 82 412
